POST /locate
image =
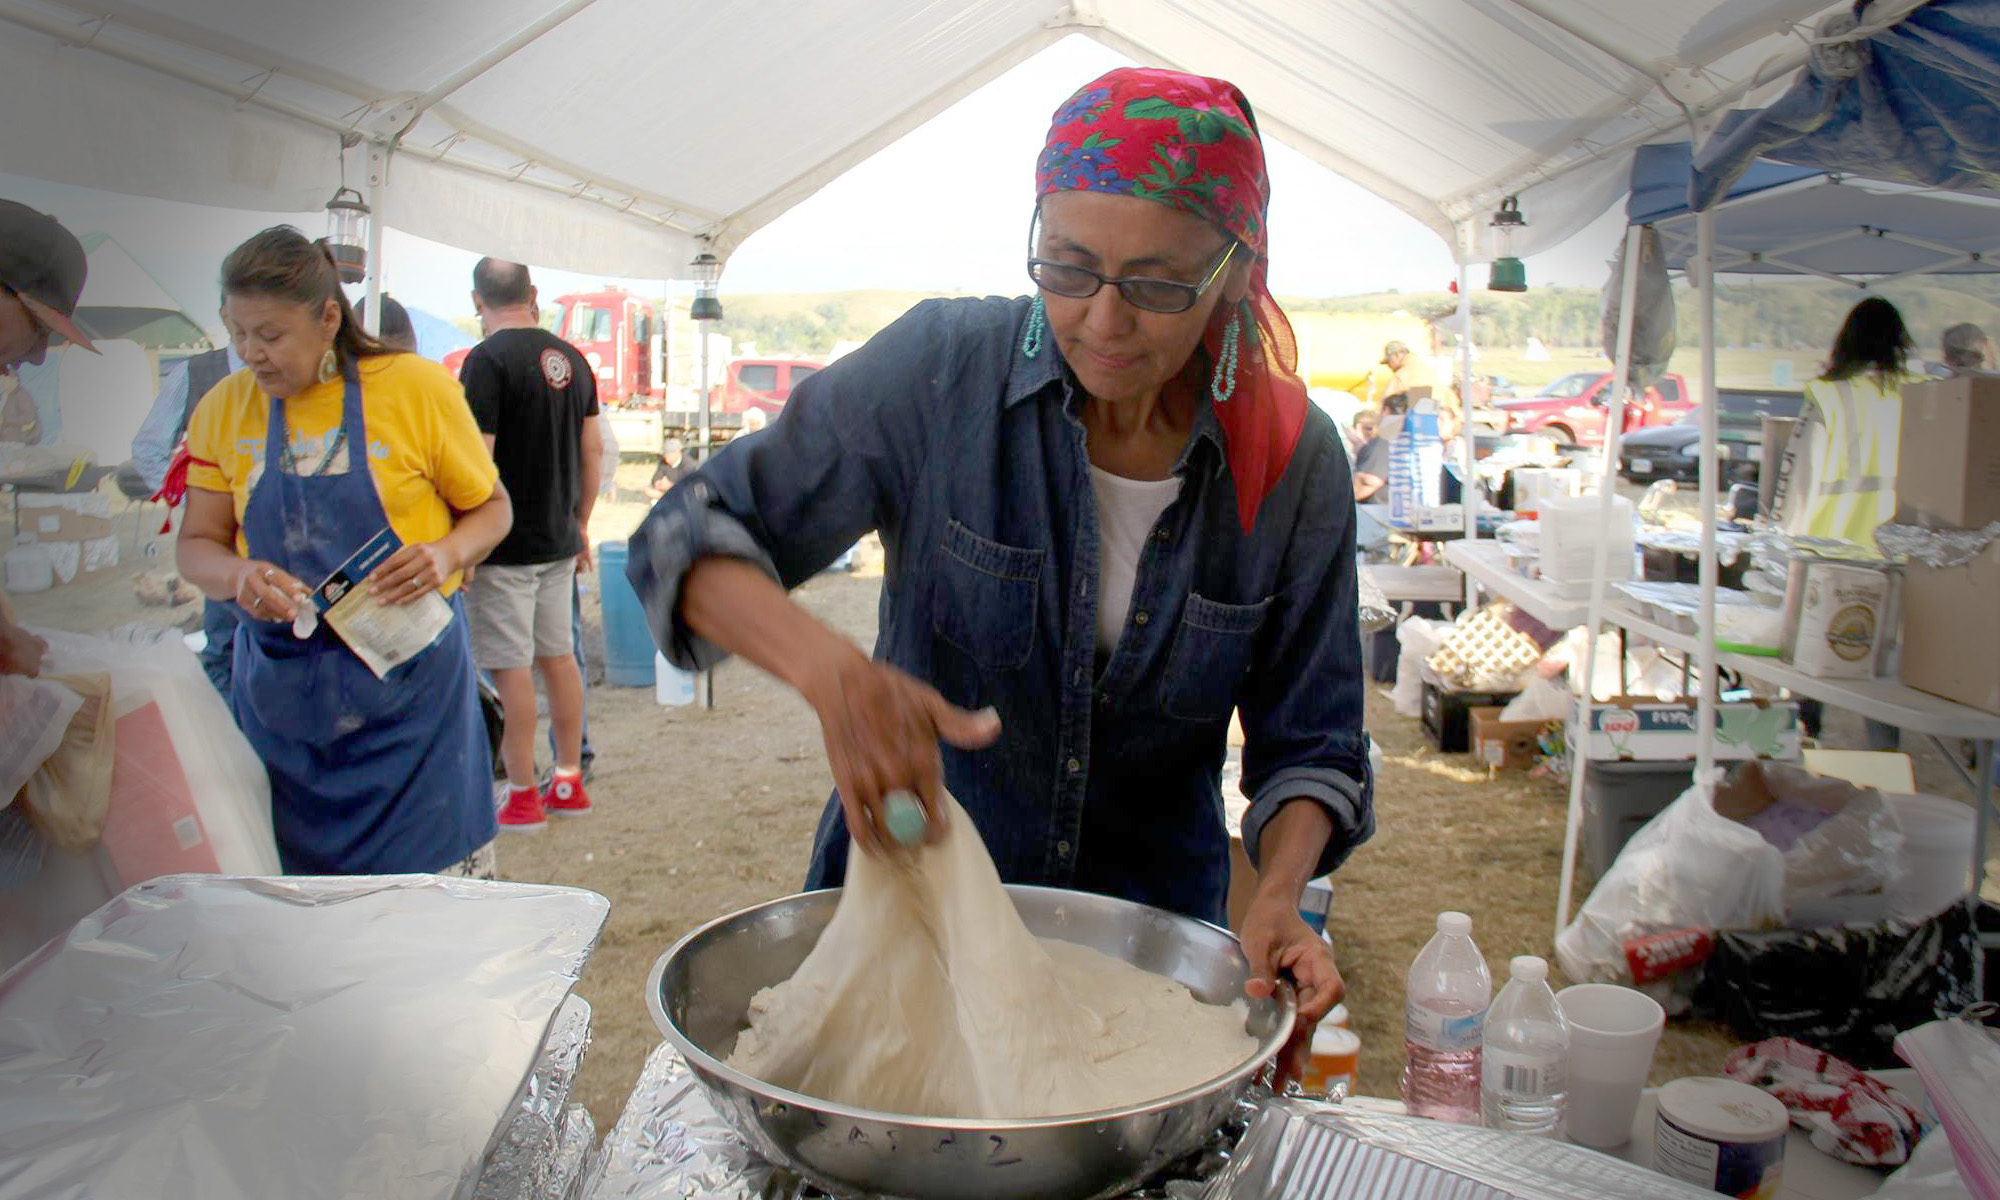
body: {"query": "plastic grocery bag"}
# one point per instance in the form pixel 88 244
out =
pixel 66 798
pixel 1416 638
pixel 1688 869
pixel 181 762
pixel 1541 699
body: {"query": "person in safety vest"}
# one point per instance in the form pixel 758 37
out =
pixel 1839 473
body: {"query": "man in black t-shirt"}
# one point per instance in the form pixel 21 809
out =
pixel 536 401
pixel 673 468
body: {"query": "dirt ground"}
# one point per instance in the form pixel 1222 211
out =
pixel 699 813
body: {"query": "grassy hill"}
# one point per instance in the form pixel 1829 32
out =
pixel 1768 330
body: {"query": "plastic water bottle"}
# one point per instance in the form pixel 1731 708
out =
pixel 1443 1012
pixel 1523 1077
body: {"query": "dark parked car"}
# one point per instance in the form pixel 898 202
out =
pixel 1671 451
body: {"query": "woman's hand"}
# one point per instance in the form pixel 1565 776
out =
pixel 1276 938
pixel 266 592
pixel 413 571
pixel 20 651
pixel 882 729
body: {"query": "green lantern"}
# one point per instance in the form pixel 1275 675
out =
pixel 1507 274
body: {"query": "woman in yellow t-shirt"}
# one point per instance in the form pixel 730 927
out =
pixel 322 442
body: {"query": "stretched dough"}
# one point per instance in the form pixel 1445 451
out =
pixel 928 996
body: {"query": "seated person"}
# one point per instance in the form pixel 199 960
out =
pixel 673 468
pixel 1371 461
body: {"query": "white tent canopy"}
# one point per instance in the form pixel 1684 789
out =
pixel 621 136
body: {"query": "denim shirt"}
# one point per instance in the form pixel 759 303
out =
pixel 969 457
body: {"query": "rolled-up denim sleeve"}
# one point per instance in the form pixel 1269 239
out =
pixel 838 462
pixel 1302 706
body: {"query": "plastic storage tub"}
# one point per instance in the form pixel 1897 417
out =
pixel 1937 854
pixel 1619 797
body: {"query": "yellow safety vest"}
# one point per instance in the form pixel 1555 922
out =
pixel 1853 428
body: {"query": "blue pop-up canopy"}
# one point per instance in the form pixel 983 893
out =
pixel 1782 219
pixel 1916 102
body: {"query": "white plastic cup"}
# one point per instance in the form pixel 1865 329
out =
pixel 1612 1033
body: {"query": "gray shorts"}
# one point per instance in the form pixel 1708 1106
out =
pixel 520 614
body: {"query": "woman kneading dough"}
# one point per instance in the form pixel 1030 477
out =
pixel 1111 517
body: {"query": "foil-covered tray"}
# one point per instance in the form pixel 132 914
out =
pixel 1305 1150
pixel 524 1166
pixel 206 1037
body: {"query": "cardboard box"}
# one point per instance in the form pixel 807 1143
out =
pixel 64 517
pixel 1507 745
pixel 1948 462
pixel 1446 714
pixel 1648 731
pixel 1951 641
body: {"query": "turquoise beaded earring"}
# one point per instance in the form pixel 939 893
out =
pixel 1036 324
pixel 1223 384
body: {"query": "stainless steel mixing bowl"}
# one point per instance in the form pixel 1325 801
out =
pixel 700 990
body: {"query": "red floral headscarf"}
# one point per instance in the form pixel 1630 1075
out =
pixel 1191 143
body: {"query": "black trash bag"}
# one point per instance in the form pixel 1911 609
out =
pixel 1845 989
pixel 496 721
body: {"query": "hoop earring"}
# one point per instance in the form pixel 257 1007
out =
pixel 1222 385
pixel 329 366
pixel 1036 325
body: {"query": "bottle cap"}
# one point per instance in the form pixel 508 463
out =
pixel 1457 924
pixel 1528 968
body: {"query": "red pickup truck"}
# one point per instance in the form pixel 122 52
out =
pixel 1571 410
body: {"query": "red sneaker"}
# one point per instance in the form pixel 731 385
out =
pixel 565 796
pixel 523 811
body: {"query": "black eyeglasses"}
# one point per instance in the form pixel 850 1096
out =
pixel 1139 291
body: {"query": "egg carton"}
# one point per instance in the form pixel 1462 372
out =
pixel 1484 649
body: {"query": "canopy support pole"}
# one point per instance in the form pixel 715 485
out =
pixel 1468 492
pixel 705 681
pixel 378 199
pixel 1705 776
pixel 1607 490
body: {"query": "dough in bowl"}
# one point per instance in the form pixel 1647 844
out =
pixel 927 996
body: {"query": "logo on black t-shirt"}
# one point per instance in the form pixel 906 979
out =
pixel 555 368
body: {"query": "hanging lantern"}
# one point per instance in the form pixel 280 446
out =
pixel 347 234
pixel 707 272
pixel 1507 274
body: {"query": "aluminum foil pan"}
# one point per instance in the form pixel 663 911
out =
pixel 1305 1150
pixel 522 1166
pixel 205 1037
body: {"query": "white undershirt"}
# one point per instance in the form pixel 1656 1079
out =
pixel 1127 512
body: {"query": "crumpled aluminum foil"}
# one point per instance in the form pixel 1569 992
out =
pixel 579 1137
pixel 521 1167
pixel 670 1144
pixel 1304 1150
pixel 205 1037
pixel 1935 547
pixel 1376 611
pixel 1728 544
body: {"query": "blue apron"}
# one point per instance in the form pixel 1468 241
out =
pixel 368 776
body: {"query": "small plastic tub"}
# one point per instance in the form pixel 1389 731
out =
pixel 1721 1135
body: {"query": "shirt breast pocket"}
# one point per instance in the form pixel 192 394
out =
pixel 1210 656
pixel 988 593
